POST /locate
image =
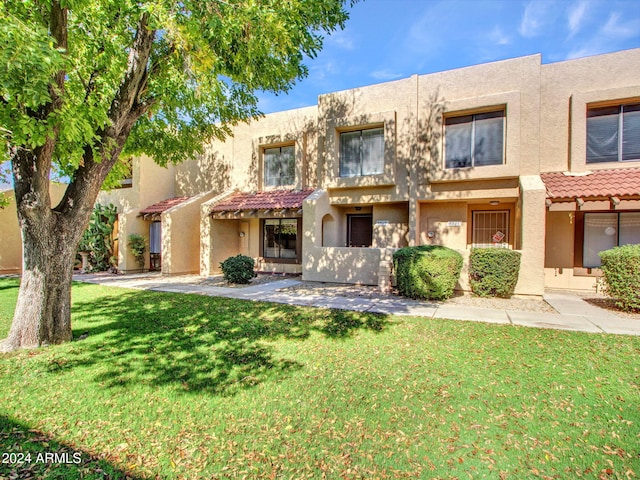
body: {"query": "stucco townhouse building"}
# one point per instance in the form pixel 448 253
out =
pixel 540 158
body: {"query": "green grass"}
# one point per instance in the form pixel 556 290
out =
pixel 185 386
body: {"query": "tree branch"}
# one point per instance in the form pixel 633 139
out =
pixel 31 169
pixel 125 110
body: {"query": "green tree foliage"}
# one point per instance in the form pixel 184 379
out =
pixel 427 272
pixel 621 269
pixel 493 272
pixel 204 61
pixel 85 84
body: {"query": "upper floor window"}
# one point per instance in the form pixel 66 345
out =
pixel 613 133
pixel 279 166
pixel 362 152
pixel 474 140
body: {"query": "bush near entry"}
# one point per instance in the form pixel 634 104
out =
pixel 428 272
pixel 238 269
pixel 493 272
pixel 621 270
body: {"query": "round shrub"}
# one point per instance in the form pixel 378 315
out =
pixel 238 269
pixel 621 270
pixel 428 272
pixel 493 272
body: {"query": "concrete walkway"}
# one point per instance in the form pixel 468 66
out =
pixel 573 312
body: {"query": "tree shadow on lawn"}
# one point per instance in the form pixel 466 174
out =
pixel 196 343
pixel 31 454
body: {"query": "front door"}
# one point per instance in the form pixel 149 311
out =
pixel 359 230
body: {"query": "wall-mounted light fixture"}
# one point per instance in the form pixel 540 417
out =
pixel 241 234
pixel 358 209
pixel 494 202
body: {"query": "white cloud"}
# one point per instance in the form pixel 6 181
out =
pixel 608 37
pixel 498 37
pixel 576 16
pixel 341 39
pixel 536 15
pixel 386 75
pixel 615 28
pixel 321 71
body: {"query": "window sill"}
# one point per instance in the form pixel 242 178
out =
pixel 294 261
pixel 475 173
pixel 587 272
pixel 379 180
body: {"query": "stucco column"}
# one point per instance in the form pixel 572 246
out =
pixel 532 202
pixel 128 224
pixel 205 240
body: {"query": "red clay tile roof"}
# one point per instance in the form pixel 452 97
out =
pixel 163 206
pixel 273 199
pixel 601 183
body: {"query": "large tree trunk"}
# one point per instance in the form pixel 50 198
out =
pixel 50 236
pixel 42 314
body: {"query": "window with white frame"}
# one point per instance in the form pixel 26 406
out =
pixel 474 140
pixel 613 133
pixel 603 231
pixel 279 166
pixel 490 228
pixel 362 152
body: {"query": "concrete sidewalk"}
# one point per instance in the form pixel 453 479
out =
pixel 573 312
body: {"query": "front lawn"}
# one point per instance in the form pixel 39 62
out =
pixel 187 386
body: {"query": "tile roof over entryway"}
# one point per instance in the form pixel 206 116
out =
pixel 623 182
pixel 269 200
pixel 163 206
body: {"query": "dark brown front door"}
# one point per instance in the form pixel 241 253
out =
pixel 359 230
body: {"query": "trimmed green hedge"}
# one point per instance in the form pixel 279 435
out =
pixel 427 272
pixel 493 272
pixel 621 269
pixel 238 269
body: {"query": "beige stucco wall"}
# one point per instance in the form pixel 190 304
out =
pixel 327 259
pixel 448 223
pixel 181 236
pixel 512 84
pixel 10 235
pixel 566 88
pixel 11 238
pixel 391 105
pixel 532 234
pixel 151 184
pixel 544 131
pixel 237 162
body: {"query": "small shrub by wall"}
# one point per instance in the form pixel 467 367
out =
pixel 138 246
pixel 621 270
pixel 238 269
pixel 428 272
pixel 493 272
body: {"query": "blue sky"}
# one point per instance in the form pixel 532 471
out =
pixel 389 39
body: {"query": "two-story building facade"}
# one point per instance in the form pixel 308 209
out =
pixel 541 158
